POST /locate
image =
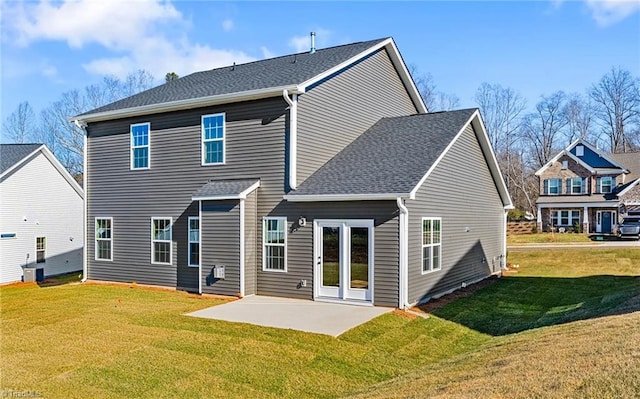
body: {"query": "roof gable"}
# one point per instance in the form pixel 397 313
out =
pixel 254 80
pixel 392 159
pixel 591 158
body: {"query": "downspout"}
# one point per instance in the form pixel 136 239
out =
pixel 403 272
pixel 293 136
pixel 503 264
pixel 200 225
pixel 85 227
pixel 242 248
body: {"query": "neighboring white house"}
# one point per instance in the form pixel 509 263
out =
pixel 41 213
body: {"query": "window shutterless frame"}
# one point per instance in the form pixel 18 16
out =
pixel 41 249
pixel 140 146
pixel 103 242
pixel 274 244
pixel 161 240
pixel 194 241
pixel 213 137
pixel 431 248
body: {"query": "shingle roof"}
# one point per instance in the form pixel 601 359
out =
pixel 274 72
pixel 577 199
pixel 391 157
pixel 225 188
pixel 11 154
pixel 631 161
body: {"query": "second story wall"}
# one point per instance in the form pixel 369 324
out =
pixel 336 111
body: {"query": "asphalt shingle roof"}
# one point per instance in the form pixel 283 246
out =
pixel 224 187
pixel 391 157
pixel 631 161
pixel 274 72
pixel 11 154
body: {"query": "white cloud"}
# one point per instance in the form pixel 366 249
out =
pixel 227 25
pixel 266 53
pixel 50 71
pixel 303 43
pixel 608 12
pixel 143 34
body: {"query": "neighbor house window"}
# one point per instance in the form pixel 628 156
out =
pixel 274 244
pixel 104 237
pixel 161 240
pixel 565 218
pixel 41 248
pixel 552 186
pixel 575 185
pixel 213 132
pixel 194 241
pixel 606 184
pixel 431 244
pixel 140 146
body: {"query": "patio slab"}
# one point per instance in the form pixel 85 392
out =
pixel 297 314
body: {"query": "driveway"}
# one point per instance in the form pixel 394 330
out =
pixel 297 314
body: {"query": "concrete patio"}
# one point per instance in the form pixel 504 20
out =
pixel 310 316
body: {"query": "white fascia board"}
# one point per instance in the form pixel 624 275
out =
pixel 185 104
pixel 604 155
pixel 485 145
pixel 608 171
pixel 239 196
pixel 343 197
pixel 579 205
pixel 397 61
pixel 629 188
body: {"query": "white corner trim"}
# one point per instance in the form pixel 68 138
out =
pixel 85 214
pixel 242 263
pixel 403 261
pixel 200 248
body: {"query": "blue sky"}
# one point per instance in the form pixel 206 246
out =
pixel 534 47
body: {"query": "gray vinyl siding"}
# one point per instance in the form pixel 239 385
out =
pixel 335 112
pixel 300 262
pixel 255 148
pixel 220 229
pixel 462 192
pixel 187 276
pixel 251 243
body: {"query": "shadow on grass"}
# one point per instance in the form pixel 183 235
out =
pixel 62 279
pixel 516 304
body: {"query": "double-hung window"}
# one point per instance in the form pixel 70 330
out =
pixel 575 185
pixel 161 240
pixel 213 132
pixel 606 184
pixel 274 248
pixel 41 248
pixel 552 186
pixel 104 237
pixel 140 146
pixel 194 241
pixel 431 244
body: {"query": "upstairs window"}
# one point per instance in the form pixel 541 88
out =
pixel 552 186
pixel 575 185
pixel 213 132
pixel 194 241
pixel 161 240
pixel 565 164
pixel 274 246
pixel 431 244
pixel 580 151
pixel 140 146
pixel 606 184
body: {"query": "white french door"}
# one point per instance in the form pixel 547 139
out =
pixel 343 252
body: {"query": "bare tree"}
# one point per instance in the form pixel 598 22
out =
pixel 501 109
pixel 617 101
pixel 542 128
pixel 20 125
pixel 578 113
pixel 434 99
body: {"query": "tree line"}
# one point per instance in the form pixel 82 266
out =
pixel 607 115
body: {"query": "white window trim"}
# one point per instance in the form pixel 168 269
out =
pixel 35 259
pixel 132 147
pixel 264 244
pixel 548 191
pixel 170 241
pixel 96 239
pixel 611 185
pixel 558 217
pixel 203 141
pixel 191 242
pixel 422 246
pixel 582 186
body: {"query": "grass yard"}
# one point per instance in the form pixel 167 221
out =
pixel 545 238
pixel 565 324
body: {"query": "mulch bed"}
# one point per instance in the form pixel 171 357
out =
pixel 434 304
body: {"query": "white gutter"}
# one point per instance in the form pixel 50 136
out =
pixel 293 137
pixel 85 215
pixel 242 248
pixel 504 241
pixel 403 266
pixel 185 104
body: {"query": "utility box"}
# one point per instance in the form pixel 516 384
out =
pixel 33 275
pixel 218 272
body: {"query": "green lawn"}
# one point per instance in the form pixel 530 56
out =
pixel 546 330
pixel 546 238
